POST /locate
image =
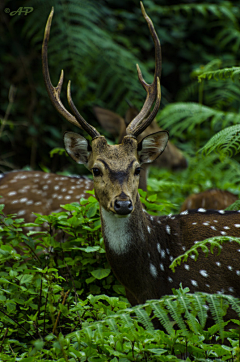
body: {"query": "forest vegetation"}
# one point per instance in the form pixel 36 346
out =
pixel 68 306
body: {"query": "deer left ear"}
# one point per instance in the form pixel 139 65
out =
pixel 77 147
pixel 152 146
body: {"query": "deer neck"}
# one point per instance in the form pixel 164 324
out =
pixel 124 233
pixel 133 252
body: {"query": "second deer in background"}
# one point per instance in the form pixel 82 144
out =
pixel 115 125
pixel 209 199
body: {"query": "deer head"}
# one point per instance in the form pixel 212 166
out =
pixel 116 168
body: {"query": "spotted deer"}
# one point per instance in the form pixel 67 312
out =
pixel 209 199
pixel 140 247
pixel 27 192
pixel 172 158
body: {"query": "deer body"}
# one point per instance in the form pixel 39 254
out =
pixel 209 199
pixel 141 262
pixel 140 247
pixel 26 192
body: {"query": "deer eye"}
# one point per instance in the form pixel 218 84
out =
pixel 137 171
pixel 96 171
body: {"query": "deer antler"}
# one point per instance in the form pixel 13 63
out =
pixel 54 92
pixel 139 123
pixel 86 126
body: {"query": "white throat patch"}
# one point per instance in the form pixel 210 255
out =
pixel 116 231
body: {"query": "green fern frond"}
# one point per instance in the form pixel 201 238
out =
pixel 144 318
pixel 198 303
pixel 234 303
pixel 162 315
pixel 234 207
pixel 214 64
pixel 179 117
pixel 225 73
pixel 175 310
pixel 205 9
pixel 225 142
pixel 229 35
pixel 218 310
pixel 185 303
pixel 213 242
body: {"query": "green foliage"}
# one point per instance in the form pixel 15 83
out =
pixel 225 73
pixel 213 242
pixel 52 308
pixel 66 305
pixel 225 142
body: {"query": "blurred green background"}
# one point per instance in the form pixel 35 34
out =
pixel 98 44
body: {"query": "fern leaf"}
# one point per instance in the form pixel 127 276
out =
pixel 179 117
pixel 214 302
pixel 175 312
pixel 234 303
pixel 162 315
pixel 225 142
pixel 199 304
pixel 144 318
pixel 215 241
pixel 225 73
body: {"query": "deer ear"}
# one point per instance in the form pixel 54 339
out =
pixel 77 147
pixel 152 146
pixel 110 121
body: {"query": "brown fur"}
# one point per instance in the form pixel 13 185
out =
pixel 141 248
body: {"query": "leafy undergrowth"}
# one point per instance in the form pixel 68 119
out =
pixel 66 305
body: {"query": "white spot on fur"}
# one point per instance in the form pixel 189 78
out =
pixel 194 283
pixel 237 225
pixel 226 227
pixel 223 232
pixel 24 199
pixel 184 212
pixel 12 193
pixel 21 212
pixel 170 279
pixel 203 273
pixel 168 229
pixel 186 266
pixel 153 270
pixel 221 211
pixel 201 210
pixel 158 248
pixel 162 266
pixel 163 254
pixel 149 229
pixel 230 267
pixel 218 263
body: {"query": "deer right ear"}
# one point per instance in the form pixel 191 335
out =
pixel 77 147
pixel 152 146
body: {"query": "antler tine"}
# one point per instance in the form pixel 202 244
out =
pixel 86 126
pixel 54 92
pixel 138 124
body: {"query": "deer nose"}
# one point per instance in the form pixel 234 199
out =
pixel 123 207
